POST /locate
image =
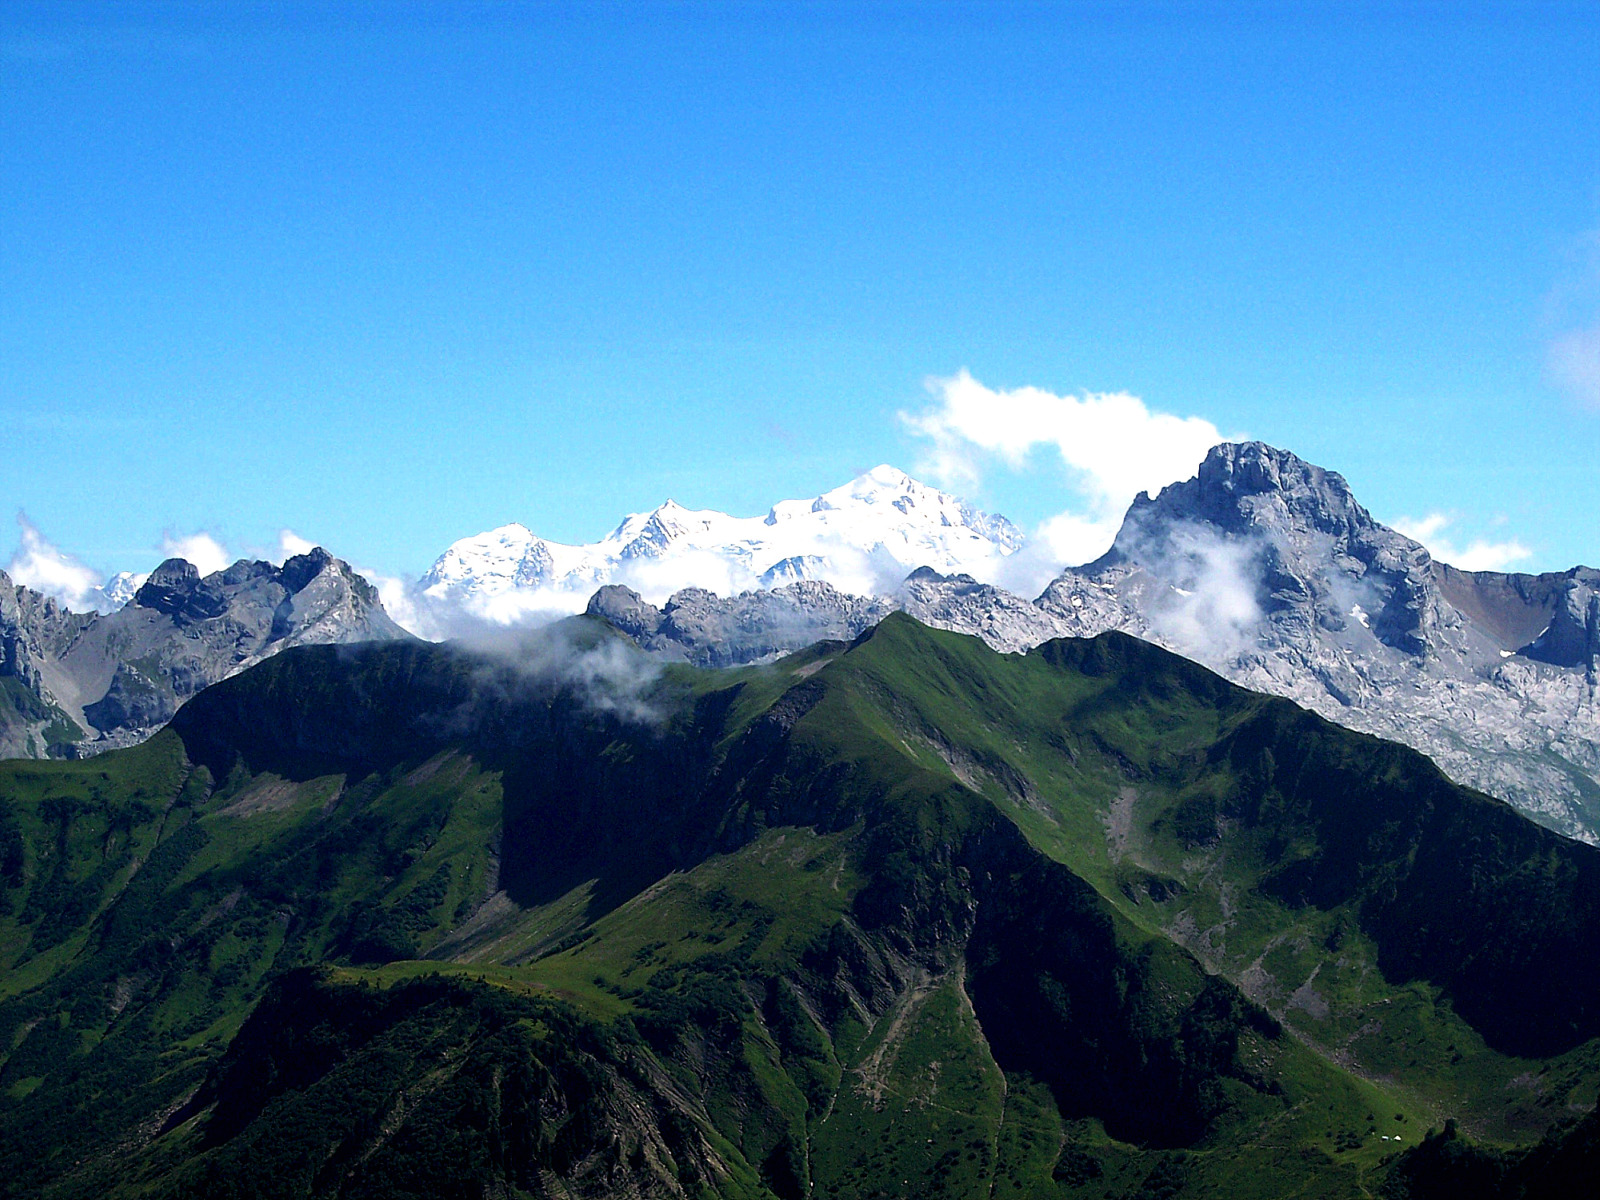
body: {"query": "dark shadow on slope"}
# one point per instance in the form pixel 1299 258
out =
pixel 1454 887
pixel 1137 1036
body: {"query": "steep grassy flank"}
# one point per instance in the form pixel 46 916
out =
pixel 1413 929
pixel 901 916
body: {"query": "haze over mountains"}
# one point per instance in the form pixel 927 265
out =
pixel 1262 566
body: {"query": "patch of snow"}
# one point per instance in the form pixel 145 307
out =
pixel 1360 614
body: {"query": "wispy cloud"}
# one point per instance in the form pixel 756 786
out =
pixel 1111 443
pixel 291 543
pixel 1574 362
pixel 1572 353
pixel 1477 555
pixel 41 565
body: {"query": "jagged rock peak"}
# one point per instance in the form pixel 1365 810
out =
pixel 176 588
pixel 303 568
pixel 1242 486
pixel 174 577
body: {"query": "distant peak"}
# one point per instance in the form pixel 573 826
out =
pixel 514 533
pixel 886 476
pixel 1255 468
pixel 175 568
pixel 882 481
pixel 303 568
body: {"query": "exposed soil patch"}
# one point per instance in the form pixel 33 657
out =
pixel 1119 823
pixel 268 794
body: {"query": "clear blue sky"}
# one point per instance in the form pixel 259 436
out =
pixel 391 274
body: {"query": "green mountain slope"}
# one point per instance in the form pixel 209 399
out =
pixel 900 917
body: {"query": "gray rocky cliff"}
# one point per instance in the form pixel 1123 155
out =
pixel 75 683
pixel 1005 620
pixel 700 627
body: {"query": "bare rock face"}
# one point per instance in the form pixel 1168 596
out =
pixel 707 630
pixel 625 609
pixel 1572 639
pixel 74 683
pixel 959 602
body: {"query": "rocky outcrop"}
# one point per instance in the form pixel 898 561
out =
pixel 700 627
pixel 1004 620
pixel 83 682
pixel 1572 639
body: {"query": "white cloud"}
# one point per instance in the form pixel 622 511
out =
pixel 1574 362
pixel 1211 610
pixel 1477 555
pixel 206 553
pixel 290 544
pixel 406 605
pixel 1112 444
pixel 45 568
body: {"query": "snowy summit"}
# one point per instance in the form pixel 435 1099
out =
pixel 863 537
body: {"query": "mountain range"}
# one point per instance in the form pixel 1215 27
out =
pixel 1267 569
pixel 1262 566
pixel 898 916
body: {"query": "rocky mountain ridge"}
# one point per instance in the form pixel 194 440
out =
pixel 1264 567
pixel 77 683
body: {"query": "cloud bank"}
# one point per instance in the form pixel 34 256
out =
pixel 1477 555
pixel 1111 445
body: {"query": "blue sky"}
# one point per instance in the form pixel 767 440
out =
pixel 391 274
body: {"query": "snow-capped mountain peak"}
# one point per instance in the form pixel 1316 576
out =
pixel 119 590
pixel 864 535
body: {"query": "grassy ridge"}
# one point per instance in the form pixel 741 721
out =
pixel 901 916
